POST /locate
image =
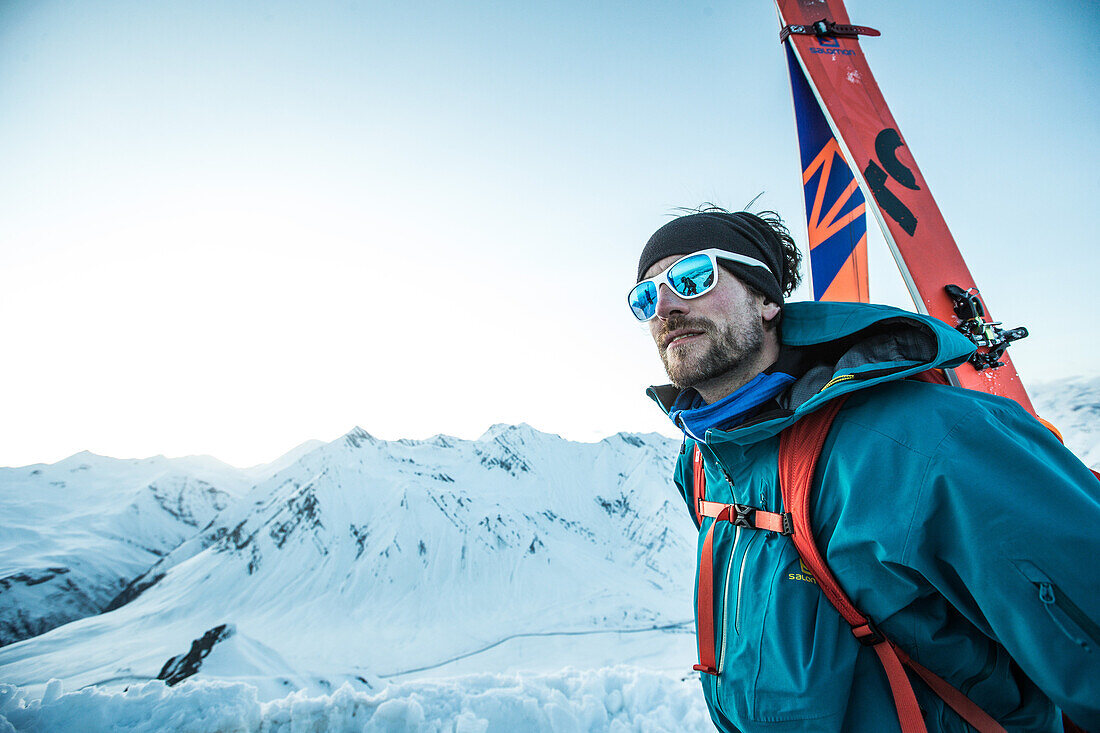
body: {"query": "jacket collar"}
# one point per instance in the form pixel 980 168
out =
pixel 839 348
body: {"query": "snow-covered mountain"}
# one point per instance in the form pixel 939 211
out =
pixel 365 559
pixel 1073 406
pixel 375 567
pixel 76 532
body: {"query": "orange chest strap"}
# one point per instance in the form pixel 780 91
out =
pixel 739 515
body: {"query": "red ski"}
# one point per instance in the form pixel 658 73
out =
pixel 823 48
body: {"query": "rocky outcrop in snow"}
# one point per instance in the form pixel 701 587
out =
pixel 384 557
pixel 364 559
pixel 78 531
pixel 179 668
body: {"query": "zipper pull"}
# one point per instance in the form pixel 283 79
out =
pixel 1046 596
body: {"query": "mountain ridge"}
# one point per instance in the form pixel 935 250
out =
pixel 361 532
pixel 362 559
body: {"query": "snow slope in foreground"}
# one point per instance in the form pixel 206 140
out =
pixel 617 700
pixel 368 561
pixel 277 544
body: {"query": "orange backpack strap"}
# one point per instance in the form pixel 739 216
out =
pixel 704 631
pixel 698 484
pixel 739 515
pixel 799 448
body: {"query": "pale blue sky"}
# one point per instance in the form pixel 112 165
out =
pixel 227 227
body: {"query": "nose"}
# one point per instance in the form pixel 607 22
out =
pixel 668 302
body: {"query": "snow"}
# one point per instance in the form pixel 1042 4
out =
pixel 377 565
pixel 75 532
pixel 515 582
pixel 617 700
pixel 1073 406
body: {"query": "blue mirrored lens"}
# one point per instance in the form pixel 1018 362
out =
pixel 692 276
pixel 643 300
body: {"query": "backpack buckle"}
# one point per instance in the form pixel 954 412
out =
pixel 743 516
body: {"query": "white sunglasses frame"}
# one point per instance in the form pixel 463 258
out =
pixel 662 278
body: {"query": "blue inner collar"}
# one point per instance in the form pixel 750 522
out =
pixel 695 417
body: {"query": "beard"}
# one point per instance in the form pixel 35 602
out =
pixel 729 348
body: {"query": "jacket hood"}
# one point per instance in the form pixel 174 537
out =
pixel 837 348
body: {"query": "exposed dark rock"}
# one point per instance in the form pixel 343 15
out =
pixel 20 624
pixel 304 510
pixel 497 527
pixel 254 560
pixel 174 500
pixel 136 587
pixel 569 524
pixel 511 461
pixel 441 504
pixel 179 668
pixel 31 578
pixel 65 602
pixel 357 437
pixel 237 538
pixel 361 534
pixel 619 506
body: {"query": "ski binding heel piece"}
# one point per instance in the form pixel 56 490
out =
pixel 989 334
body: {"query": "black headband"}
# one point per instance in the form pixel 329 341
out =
pixel 741 233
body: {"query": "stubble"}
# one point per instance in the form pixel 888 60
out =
pixel 726 349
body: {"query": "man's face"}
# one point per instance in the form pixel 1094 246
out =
pixel 706 337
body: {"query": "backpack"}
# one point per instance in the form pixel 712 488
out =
pixel 799 448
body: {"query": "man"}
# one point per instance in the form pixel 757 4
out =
pixel 953 519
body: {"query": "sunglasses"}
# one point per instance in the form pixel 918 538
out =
pixel 689 277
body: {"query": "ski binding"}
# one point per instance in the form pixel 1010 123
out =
pixel 973 325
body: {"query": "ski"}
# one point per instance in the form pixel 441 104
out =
pixel 836 218
pixel 830 77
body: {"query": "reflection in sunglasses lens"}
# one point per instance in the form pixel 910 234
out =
pixel 643 301
pixel 692 276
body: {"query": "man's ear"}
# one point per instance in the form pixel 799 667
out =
pixel 769 310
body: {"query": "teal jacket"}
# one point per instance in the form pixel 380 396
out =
pixel 952 518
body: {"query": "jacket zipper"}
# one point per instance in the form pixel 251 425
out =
pixel 983 673
pixel 726 590
pixel 837 380
pixel 729 569
pixel 726 602
pixel 740 580
pixel 1061 609
pixel 725 610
